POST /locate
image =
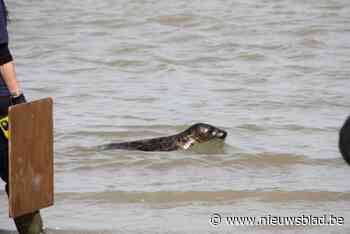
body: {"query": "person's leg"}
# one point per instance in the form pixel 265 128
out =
pixel 4 104
pixel 30 223
pixel 4 160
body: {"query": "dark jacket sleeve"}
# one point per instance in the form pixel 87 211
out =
pixel 3 23
pixel 5 54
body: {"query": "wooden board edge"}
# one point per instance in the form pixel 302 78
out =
pixel 49 99
pixel 10 110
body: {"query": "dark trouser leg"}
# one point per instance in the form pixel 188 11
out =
pixel 4 104
pixel 4 161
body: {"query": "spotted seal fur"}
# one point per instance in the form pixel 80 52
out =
pixel 197 133
pixel 344 140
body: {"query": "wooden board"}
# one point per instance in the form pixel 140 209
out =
pixel 30 157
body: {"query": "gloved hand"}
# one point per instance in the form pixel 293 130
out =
pixel 18 99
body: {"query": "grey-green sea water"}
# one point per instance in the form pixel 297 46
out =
pixel 273 73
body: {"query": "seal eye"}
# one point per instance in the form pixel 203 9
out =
pixel 204 130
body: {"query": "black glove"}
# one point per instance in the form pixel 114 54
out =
pixel 18 99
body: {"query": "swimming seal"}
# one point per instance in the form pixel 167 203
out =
pixel 344 140
pixel 197 133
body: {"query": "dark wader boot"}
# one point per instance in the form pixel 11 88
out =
pixel 29 223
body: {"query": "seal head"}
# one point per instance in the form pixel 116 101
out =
pixel 199 133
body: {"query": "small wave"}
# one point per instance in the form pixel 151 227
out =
pixel 206 155
pixel 268 159
pixel 227 196
pixel 192 62
pixel 250 56
pixel 176 20
pixel 177 163
pixel 227 90
pixel 126 63
pixel 288 127
pixel 251 127
pixel 296 127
